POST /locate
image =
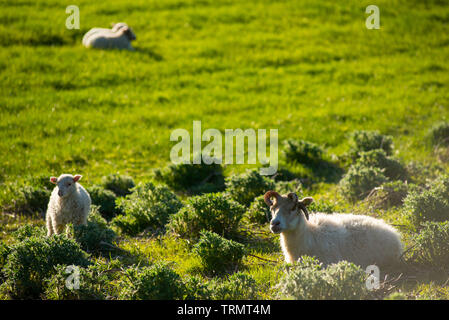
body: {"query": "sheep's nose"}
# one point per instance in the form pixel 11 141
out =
pixel 275 226
pixel 60 193
pixel 275 223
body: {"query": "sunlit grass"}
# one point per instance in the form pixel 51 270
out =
pixel 307 68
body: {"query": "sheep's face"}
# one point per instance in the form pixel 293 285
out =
pixel 286 211
pixel 129 33
pixel 66 184
pixel 123 27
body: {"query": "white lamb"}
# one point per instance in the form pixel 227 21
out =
pixel 331 238
pixel 119 37
pixel 69 203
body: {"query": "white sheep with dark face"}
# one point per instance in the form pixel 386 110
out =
pixel 360 239
pixel 69 203
pixel 119 37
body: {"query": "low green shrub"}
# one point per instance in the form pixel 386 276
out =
pixel 207 187
pixel 28 195
pixel 302 151
pixel 369 140
pixel 316 164
pixel 420 173
pixel 215 212
pixel 192 178
pixel 40 181
pixel 284 187
pixel 432 245
pixel 431 204
pixel 238 286
pixel 121 185
pixel 94 284
pixel 105 200
pixel 396 296
pixel 156 282
pixel 390 194
pixel 196 288
pixel 358 182
pixel 321 206
pixel 28 231
pixel 258 212
pixel 148 206
pixel 392 168
pixel 28 199
pixel 32 260
pixel 431 291
pixel 245 187
pixel 96 237
pixel 217 254
pixel 439 134
pixel 128 225
pixel 5 250
pixel 309 280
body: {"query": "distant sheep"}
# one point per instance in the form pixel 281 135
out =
pixel 119 37
pixel 331 238
pixel 69 203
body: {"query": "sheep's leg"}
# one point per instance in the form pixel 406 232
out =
pixel 80 221
pixel 67 230
pixel 59 228
pixel 49 226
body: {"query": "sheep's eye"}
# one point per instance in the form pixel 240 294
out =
pixel 69 184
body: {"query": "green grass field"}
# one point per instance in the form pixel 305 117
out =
pixel 310 69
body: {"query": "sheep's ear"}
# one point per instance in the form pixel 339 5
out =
pixel 53 180
pixel 306 201
pixel 77 177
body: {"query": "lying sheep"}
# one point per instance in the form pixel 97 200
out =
pixel 69 203
pixel 331 238
pixel 119 37
pixel 115 28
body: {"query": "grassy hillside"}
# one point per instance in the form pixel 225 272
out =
pixel 310 69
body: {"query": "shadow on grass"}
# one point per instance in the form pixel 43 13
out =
pixel 150 53
pixel 310 173
pixel 258 238
pixel 325 170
